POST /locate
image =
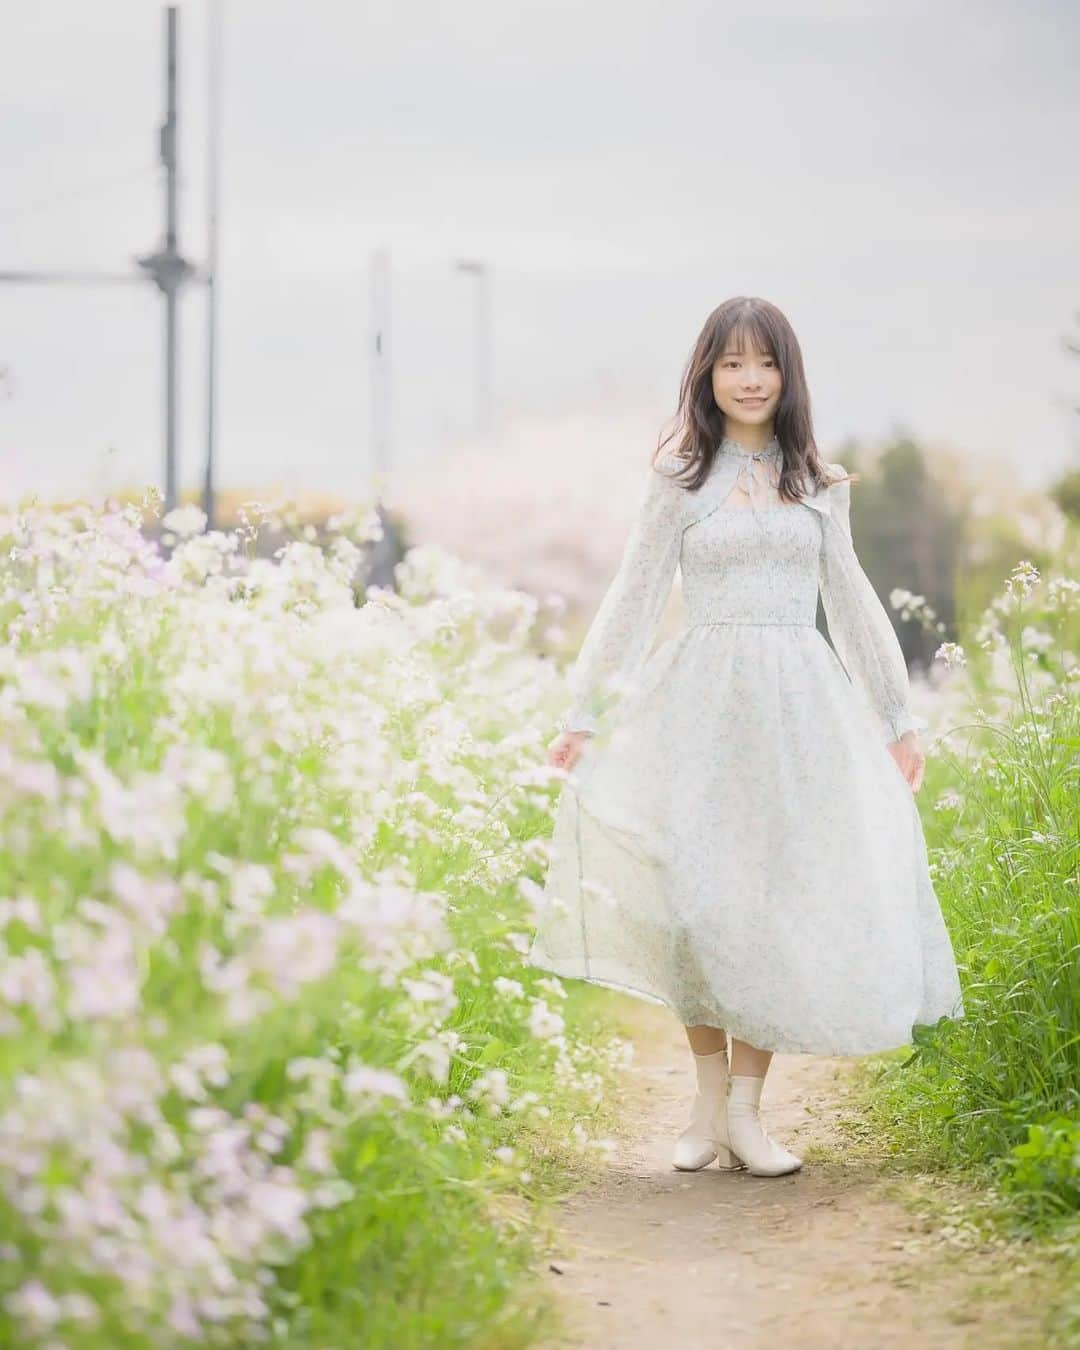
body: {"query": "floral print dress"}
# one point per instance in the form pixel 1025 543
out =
pixel 735 842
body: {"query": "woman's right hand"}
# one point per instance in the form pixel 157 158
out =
pixel 566 748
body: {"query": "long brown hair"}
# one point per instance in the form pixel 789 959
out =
pixel 699 423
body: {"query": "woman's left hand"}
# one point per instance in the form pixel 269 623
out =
pixel 909 757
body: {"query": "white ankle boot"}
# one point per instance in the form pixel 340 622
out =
pixel 747 1140
pixel 705 1138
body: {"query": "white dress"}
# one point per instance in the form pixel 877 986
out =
pixel 735 842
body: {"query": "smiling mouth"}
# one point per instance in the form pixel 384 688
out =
pixel 751 400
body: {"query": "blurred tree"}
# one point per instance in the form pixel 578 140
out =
pixel 908 534
pixel 1066 493
pixel 977 522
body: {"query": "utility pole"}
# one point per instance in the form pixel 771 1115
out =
pixel 167 267
pixel 388 550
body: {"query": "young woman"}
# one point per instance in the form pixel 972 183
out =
pixel 737 836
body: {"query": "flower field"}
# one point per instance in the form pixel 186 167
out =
pixel 271 1067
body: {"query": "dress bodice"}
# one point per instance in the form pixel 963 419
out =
pixel 746 557
pixel 752 566
pixel 751 558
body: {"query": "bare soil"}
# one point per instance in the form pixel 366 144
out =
pixel 827 1258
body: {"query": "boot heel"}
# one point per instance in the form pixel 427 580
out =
pixel 725 1158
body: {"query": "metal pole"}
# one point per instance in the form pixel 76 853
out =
pixel 483 352
pixel 167 267
pixel 214 60
pixel 481 344
pixel 168 158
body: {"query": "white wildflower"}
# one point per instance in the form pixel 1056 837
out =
pixel 492 1090
pixel 185 520
pixel 544 1021
pixel 508 988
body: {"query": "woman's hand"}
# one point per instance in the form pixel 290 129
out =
pixel 565 749
pixel 909 759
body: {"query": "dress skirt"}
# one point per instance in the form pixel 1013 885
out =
pixel 774 881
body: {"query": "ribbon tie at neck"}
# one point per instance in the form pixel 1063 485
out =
pixel 770 453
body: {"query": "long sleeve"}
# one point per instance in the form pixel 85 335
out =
pixel 859 627
pixel 621 634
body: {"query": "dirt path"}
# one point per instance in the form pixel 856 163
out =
pixel 822 1259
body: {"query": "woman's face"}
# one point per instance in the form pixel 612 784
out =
pixel 746 385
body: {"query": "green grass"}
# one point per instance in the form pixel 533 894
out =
pixel 990 1104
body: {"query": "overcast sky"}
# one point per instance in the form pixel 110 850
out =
pixel 898 177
